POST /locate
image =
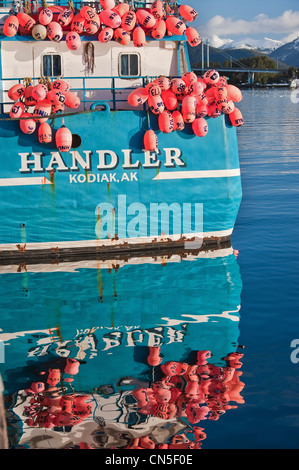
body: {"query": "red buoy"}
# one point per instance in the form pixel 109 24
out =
pixel 54 31
pixel 106 35
pixel 150 141
pixel 145 18
pixel 165 122
pixel 155 104
pixel 60 85
pixel 175 25
pixel 16 91
pixel 121 36
pixel 110 18
pixel 170 100
pixel 157 9
pixel 39 92
pixel 193 37
pixel 65 17
pixel 42 110
pixel 63 139
pixel 44 133
pixel 27 126
pixel 139 38
pixel 26 21
pixel 73 40
pixel 11 26
pixel 236 118
pixel 45 16
pixel 78 23
pixel 188 13
pixel 17 109
pixel 72 100
pixel 121 9
pixel 159 30
pixel 200 127
pixel 128 20
pixel 178 121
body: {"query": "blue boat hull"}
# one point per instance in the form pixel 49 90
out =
pixel 103 193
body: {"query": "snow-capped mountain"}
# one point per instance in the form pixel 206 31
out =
pixel 265 45
pixel 288 53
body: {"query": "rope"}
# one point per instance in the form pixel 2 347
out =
pixel 51 116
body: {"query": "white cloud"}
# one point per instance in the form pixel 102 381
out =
pixel 287 23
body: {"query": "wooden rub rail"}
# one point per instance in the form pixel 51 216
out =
pixel 181 246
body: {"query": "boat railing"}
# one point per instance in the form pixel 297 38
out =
pixel 112 89
pixel 7 4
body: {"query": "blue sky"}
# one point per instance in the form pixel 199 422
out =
pixel 254 18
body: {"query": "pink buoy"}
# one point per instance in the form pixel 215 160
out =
pixel 121 36
pixel 137 97
pixel 189 104
pixel 153 89
pixel 178 121
pixel 210 94
pixel 188 13
pixel 92 26
pixel 28 98
pixel 60 85
pixel 175 25
pixel 65 17
pixel 177 85
pixel 211 77
pixel 157 9
pixel 88 13
pixel 16 91
pixel 58 107
pixel 145 18
pixel 189 117
pixel 45 16
pixel 153 359
pixel 121 9
pixel 54 377
pixel 165 122
pixel 39 92
pixel 44 133
pixel 233 93
pixel 11 26
pixel 189 78
pixel 220 93
pixel 78 23
pixel 222 81
pixel 202 356
pixel 54 31
pixel 201 110
pixel 107 4
pixel 25 21
pixel 63 139
pixel 150 142
pixel 106 35
pixel 195 89
pixel 72 100
pixel 163 83
pixel 200 127
pixel 73 40
pixel 56 96
pixel 159 30
pixel 110 18
pixel 72 366
pixel 17 110
pixel 37 387
pixel 225 106
pixel 139 38
pixel 128 20
pixel 155 104
pixel 193 37
pixel 42 110
pixel 170 99
pixel 236 118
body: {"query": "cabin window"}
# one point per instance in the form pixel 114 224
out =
pixel 51 65
pixel 129 65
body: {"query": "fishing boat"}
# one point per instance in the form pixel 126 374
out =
pixel 97 171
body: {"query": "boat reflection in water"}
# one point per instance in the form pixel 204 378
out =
pixel 115 354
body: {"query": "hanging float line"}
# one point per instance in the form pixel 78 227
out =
pixel 51 116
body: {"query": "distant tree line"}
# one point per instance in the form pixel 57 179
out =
pixel 256 62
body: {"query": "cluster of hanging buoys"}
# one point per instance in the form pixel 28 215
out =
pixel 46 99
pixel 50 405
pixel 194 392
pixel 187 100
pixel 119 22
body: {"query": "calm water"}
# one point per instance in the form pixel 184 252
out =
pixel 95 313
